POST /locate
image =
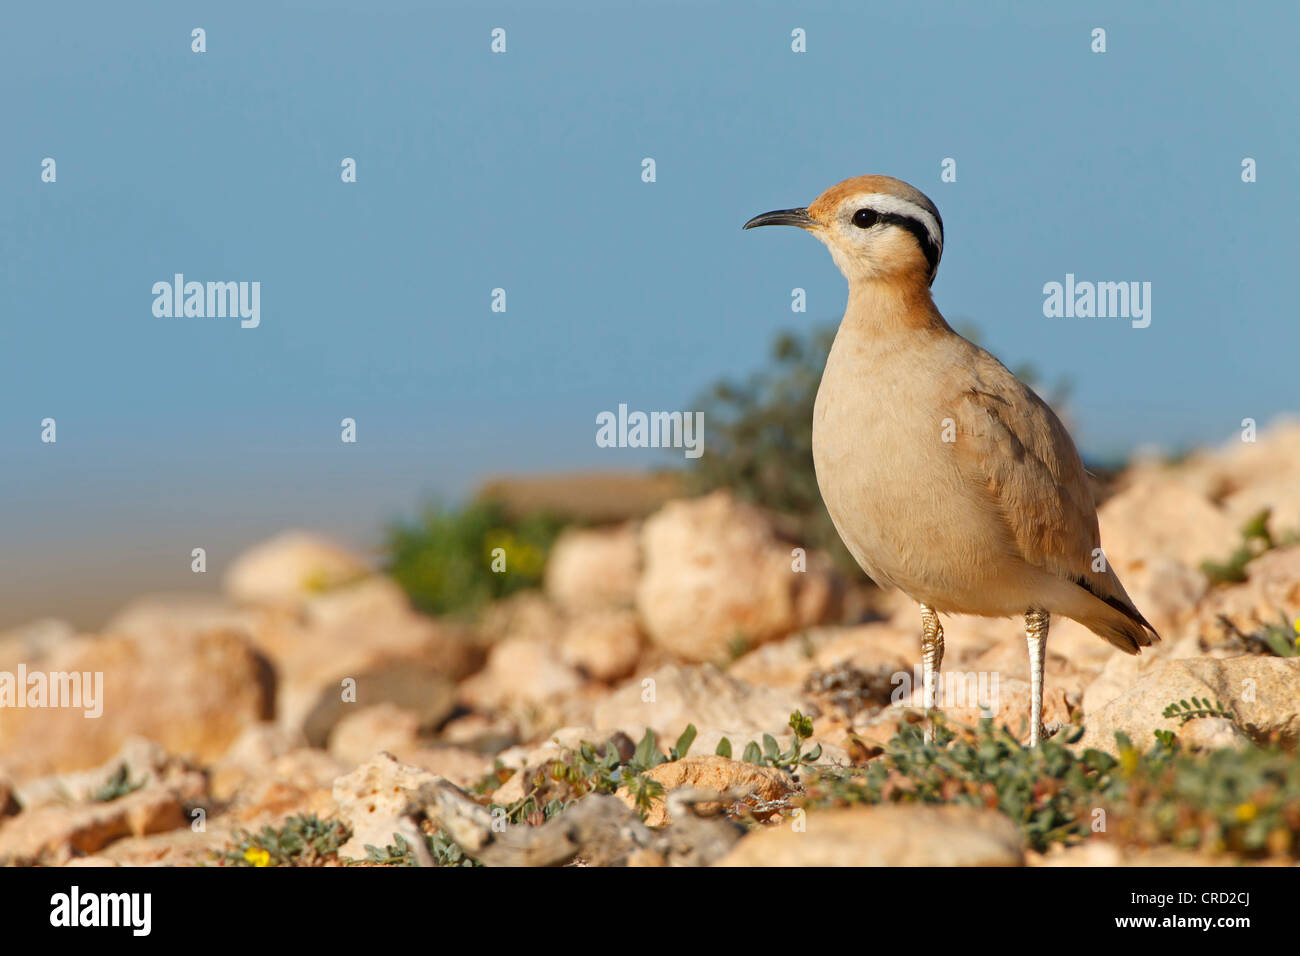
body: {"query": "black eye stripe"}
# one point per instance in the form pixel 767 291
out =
pixel 870 217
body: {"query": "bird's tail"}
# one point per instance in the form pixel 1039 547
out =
pixel 1111 614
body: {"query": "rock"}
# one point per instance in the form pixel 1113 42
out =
pixel 366 628
pixel 143 761
pixel 289 566
pixel 33 641
pixel 378 799
pixel 561 743
pixel 464 768
pixel 1275 492
pixel 8 802
pixel 764 790
pixel 1123 671
pixel 1263 691
pixel 166 616
pixel 51 834
pixel 1166 591
pixel 420 691
pixel 594 569
pixel 1097 852
pixel 192 693
pixel 604 645
pixel 1270 597
pixel 482 733
pixel 261 744
pixel 300 782
pixel 254 772
pixel 717 577
pixel 887 835
pixel 718 704
pixel 519 671
pixel 881 648
pixel 597 830
pixel 361 734
pixel 1009 660
pixel 527 615
pixel 1156 533
pixel 348 632
pixel 1161 516
pixel 180 847
pixel 1237 466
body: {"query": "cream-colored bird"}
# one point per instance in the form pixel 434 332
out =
pixel 946 476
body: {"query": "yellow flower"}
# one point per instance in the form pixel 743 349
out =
pixel 257 857
pixel 524 559
pixel 1247 812
pixel 1128 760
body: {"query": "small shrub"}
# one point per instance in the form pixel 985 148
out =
pixel 401 853
pixel 303 840
pixel 443 559
pixel 1243 801
pixel 1256 539
pixel 770 754
pixel 588 770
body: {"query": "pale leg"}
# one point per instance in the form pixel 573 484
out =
pixel 1036 624
pixel 931 661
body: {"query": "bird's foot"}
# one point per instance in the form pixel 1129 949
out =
pixel 1044 731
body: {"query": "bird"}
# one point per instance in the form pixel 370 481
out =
pixel 946 476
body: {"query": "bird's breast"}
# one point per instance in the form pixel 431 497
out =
pixel 889 479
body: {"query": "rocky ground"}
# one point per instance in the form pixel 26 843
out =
pixel 311 698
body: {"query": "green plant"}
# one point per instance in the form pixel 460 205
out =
pixel 303 840
pixel 589 770
pixel 770 754
pixel 1280 640
pixel 1283 640
pixel 397 853
pixel 1184 710
pixel 444 560
pixel 401 853
pixel 1245 801
pixel 118 785
pixel 1044 790
pixel 1256 539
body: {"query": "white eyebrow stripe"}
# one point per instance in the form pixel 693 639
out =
pixel 885 202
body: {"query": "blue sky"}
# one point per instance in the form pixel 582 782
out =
pixel 523 171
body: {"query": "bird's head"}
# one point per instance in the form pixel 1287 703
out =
pixel 876 227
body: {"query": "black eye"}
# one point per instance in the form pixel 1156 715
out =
pixel 865 218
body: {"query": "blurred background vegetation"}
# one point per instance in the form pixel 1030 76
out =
pixel 443 558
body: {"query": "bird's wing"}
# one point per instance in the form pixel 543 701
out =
pixel 1012 448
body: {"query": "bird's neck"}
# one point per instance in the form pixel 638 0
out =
pixel 891 305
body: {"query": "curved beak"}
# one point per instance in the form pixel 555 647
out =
pixel 783 217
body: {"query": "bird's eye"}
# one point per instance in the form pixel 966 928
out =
pixel 865 218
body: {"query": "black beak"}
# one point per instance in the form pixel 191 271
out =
pixel 783 217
